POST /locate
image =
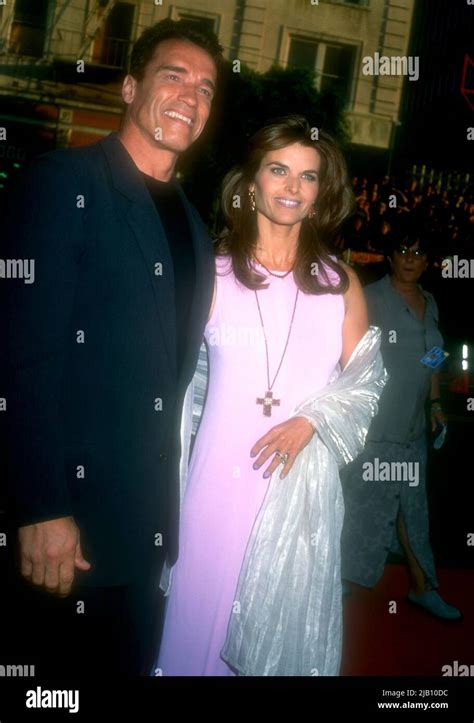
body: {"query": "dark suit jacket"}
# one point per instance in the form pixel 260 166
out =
pixel 93 395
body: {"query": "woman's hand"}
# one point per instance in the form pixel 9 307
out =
pixel 289 437
pixel 437 416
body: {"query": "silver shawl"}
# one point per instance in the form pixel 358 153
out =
pixel 287 615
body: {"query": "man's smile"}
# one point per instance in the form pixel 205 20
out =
pixel 175 115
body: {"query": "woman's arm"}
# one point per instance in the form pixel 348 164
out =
pixel 356 320
pixel 435 393
pixel 436 410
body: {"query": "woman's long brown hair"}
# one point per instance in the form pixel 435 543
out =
pixel 334 203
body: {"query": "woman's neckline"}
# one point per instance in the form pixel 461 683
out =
pixel 417 287
pixel 275 272
pixel 404 298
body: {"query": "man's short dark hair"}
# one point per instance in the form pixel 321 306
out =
pixel 144 48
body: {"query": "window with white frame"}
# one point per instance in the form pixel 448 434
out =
pixel 333 63
pixel 113 39
pixel 28 29
pixel 360 3
pixel 201 21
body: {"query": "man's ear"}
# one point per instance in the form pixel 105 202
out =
pixel 128 89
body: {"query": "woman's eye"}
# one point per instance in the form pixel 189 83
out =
pixel 310 177
pixel 278 170
pixel 172 76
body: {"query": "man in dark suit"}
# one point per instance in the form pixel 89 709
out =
pixel 99 352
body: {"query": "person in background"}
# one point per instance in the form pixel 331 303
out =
pixel 383 516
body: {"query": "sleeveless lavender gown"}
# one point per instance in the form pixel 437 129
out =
pixel 224 493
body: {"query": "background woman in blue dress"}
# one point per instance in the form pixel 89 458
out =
pixel 382 515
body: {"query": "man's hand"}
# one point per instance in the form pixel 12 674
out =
pixel 49 553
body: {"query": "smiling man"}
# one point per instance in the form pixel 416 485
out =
pixel 100 350
pixel 169 92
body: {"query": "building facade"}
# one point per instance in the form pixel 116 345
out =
pixel 62 61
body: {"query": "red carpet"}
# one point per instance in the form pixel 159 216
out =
pixel 408 642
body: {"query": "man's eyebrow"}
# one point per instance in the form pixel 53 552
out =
pixel 183 71
pixel 283 165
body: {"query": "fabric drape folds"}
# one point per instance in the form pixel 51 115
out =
pixel 287 614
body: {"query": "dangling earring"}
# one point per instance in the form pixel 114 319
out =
pixel 252 200
pixel 312 212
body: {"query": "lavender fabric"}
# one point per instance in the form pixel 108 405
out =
pixel 228 508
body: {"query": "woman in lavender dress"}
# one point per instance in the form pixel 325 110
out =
pixel 284 314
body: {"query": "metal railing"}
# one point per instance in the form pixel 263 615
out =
pixel 446 180
pixel 67 46
pixel 115 52
pixel 94 21
pixel 64 43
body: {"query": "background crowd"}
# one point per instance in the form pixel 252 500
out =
pixel 388 208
